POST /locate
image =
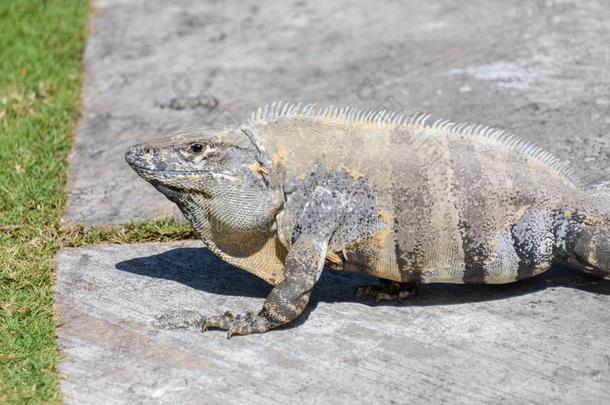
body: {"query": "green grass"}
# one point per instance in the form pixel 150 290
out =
pixel 41 45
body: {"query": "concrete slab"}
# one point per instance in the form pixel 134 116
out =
pixel 539 68
pixel 545 340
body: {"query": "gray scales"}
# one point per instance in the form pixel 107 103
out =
pixel 389 195
pixel 538 68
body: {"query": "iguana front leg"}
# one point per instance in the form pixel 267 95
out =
pixel 320 216
pixel 288 299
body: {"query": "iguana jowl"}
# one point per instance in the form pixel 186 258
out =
pixel 398 197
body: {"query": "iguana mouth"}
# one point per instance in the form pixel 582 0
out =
pixel 171 173
pixel 164 178
pixel 169 189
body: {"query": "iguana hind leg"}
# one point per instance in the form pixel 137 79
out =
pixel 388 291
pixel 592 250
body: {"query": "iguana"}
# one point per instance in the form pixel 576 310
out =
pixel 398 197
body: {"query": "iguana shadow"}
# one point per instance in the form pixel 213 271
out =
pixel 200 269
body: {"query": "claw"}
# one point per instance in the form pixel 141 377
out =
pixel 206 325
pixel 231 331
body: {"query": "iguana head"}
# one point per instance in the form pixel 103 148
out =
pixel 218 175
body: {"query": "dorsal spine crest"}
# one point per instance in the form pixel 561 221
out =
pixel 418 120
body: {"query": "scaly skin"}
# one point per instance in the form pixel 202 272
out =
pixel 382 194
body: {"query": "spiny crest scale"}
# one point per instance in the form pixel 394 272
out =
pixel 420 120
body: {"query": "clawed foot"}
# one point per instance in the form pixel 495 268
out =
pixel 387 291
pixel 237 324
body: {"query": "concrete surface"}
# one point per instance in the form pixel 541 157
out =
pixel 537 67
pixel 544 340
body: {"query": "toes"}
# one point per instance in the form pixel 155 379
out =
pixel 248 325
pixel 404 294
pixel 219 321
pixel 386 293
pixel 238 329
pixel 245 324
pixel 366 291
pixel 372 291
pixel 213 322
pixel 382 296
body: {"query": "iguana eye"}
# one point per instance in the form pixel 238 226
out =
pixel 196 148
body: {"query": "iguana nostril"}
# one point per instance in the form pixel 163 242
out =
pixel 137 153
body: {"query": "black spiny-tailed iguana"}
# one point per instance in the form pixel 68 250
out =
pixel 390 195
